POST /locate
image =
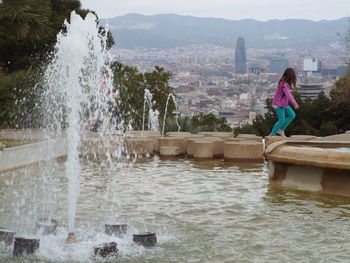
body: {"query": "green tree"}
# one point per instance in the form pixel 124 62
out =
pixel 19 98
pixel 209 122
pixel 23 26
pixel 28 32
pixel 340 98
pixel 131 85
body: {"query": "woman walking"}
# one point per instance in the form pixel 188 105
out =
pixel 280 102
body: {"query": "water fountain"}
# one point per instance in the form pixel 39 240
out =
pixel 78 87
pixel 165 113
pixel 153 124
pixel 76 91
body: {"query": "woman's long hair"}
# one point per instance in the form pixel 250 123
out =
pixel 290 77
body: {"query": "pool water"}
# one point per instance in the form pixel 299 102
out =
pixel 210 211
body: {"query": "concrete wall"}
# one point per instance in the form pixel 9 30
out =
pixel 16 157
pixel 27 134
pixel 327 180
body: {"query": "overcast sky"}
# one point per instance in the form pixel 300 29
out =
pixel 230 9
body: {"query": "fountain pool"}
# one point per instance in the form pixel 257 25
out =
pixel 201 212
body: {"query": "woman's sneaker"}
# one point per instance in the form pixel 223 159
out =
pixel 280 132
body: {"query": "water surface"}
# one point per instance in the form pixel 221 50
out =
pixel 201 212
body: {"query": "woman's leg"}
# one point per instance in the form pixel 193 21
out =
pixel 281 120
pixel 290 117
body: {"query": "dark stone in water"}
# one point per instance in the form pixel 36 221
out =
pixel 25 246
pixel 116 230
pixel 146 239
pixel 46 225
pixel 106 250
pixel 7 236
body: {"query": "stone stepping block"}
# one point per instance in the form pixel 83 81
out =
pixel 245 151
pixel 46 226
pixel 25 246
pixel 144 133
pixel 203 149
pixel 149 135
pixel 175 134
pixel 100 145
pixel 235 139
pixel 146 239
pixel 218 146
pixel 175 141
pixel 139 146
pixel 7 236
pixel 169 151
pixel 250 137
pixel 223 135
pixel 106 250
pixel 216 134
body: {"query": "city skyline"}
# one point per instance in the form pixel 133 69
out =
pixel 234 10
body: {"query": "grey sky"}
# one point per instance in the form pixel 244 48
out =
pixel 230 9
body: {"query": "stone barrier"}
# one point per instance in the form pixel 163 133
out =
pixel 311 166
pixel 250 137
pixel 139 146
pixel 152 135
pixel 20 156
pixel 169 151
pixel 250 151
pixel 302 137
pixel 272 139
pixel 177 134
pixel 174 141
pixel 203 149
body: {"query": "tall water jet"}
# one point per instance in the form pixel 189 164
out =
pixel 77 88
pixel 165 112
pixel 153 124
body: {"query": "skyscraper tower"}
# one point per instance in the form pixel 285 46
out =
pixel 240 57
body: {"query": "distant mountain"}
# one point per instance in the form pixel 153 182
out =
pixel 169 31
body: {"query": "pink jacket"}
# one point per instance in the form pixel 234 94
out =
pixel 283 96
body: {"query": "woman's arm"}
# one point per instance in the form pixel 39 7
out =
pixel 289 95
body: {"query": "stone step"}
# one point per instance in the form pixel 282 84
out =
pixel 250 151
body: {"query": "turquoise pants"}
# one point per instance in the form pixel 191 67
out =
pixel 285 117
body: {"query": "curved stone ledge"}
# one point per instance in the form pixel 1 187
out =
pixel 272 139
pixel 250 151
pixel 302 137
pixel 310 156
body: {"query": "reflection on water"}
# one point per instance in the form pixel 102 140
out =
pixel 209 211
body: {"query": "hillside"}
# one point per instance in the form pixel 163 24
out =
pixel 169 31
